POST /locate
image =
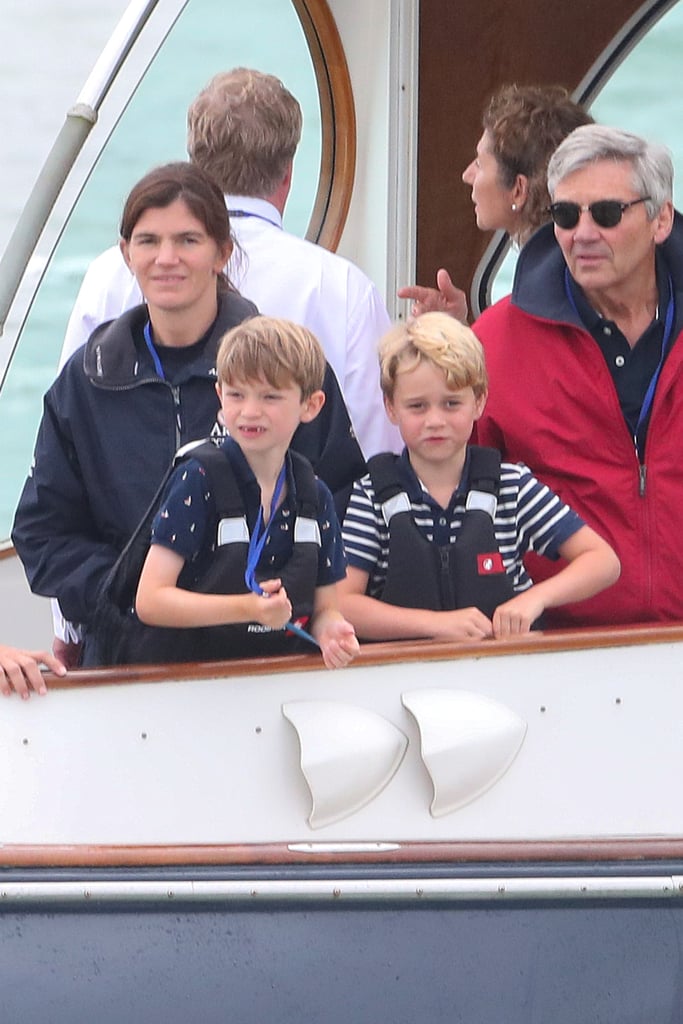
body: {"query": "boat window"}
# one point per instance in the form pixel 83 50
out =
pixel 209 35
pixel 642 95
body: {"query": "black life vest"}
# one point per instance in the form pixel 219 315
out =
pixel 421 574
pixel 118 637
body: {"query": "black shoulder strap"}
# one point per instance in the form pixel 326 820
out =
pixel 229 504
pixel 226 491
pixel 307 504
pixel 121 582
pixel 385 476
pixel 484 474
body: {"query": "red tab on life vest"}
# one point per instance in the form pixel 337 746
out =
pixel 490 563
pixel 301 622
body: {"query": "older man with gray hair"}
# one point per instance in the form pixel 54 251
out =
pixel 585 361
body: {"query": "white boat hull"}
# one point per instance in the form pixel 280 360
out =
pixel 544 744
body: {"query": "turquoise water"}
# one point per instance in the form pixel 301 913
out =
pixel 48 48
pixel 266 35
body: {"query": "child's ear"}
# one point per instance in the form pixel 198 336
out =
pixel 480 404
pixel 219 390
pixel 389 406
pixel 311 406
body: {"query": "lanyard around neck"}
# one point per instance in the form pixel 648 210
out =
pixel 255 216
pixel 152 351
pixel 258 538
pixel 666 339
pixel 257 542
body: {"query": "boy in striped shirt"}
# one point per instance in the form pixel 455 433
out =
pixel 433 555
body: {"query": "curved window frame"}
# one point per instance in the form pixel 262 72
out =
pixel 623 43
pixel 51 204
pixel 338 123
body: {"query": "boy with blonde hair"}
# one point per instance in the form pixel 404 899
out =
pixel 435 537
pixel 246 541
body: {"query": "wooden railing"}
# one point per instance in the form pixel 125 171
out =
pixel 382 653
pixel 551 852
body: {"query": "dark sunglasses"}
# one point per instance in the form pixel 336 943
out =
pixel 605 212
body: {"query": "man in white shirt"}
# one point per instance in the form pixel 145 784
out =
pixel 243 130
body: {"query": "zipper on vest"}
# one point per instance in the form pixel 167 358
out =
pixel 642 477
pixel 642 469
pixel 446 581
pixel 175 391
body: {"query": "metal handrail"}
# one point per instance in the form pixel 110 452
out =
pixel 80 119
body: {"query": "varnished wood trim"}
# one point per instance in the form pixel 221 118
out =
pixel 467 50
pixel 338 159
pixel 624 41
pixel 572 851
pixel 380 654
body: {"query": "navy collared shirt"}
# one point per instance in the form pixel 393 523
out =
pixel 443 517
pixel 631 368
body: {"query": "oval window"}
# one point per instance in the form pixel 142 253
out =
pixel 641 95
pixel 283 39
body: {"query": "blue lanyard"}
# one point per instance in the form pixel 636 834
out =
pixel 256 216
pixel 153 352
pixel 668 328
pixel 257 542
pixel 258 539
pixel 666 339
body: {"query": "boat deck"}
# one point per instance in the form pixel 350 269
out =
pixel 26 619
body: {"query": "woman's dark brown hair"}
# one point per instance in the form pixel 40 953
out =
pixel 526 124
pixel 163 186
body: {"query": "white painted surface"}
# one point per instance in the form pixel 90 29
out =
pixel 215 761
pixel 369 56
pixel 467 743
pixel 26 618
pixel 348 755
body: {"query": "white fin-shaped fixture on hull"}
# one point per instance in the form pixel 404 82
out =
pixel 468 742
pixel 348 755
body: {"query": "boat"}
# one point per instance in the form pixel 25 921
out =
pixel 441 832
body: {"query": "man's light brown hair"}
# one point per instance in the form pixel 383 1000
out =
pixel 243 129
